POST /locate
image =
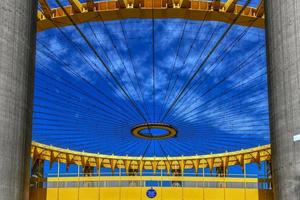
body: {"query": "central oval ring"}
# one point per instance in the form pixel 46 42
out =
pixel 154 131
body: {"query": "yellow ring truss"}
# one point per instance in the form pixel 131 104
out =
pixel 242 157
pixel 122 9
pixel 137 131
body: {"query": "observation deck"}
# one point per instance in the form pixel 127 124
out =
pixel 133 180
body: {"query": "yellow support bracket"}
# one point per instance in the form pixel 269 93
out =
pixel 54 156
pixel 45 8
pixel 210 163
pixel 69 159
pixel 113 165
pixel 141 166
pixel 168 166
pixel 76 5
pixel 260 11
pixel 127 165
pixel 196 165
pixel 225 161
pixel 40 15
pixel 98 162
pixel 154 166
pixel 229 6
pixel 241 160
pixel 84 160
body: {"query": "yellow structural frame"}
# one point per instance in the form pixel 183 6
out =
pixel 196 162
pixel 123 9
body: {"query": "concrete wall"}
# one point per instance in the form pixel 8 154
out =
pixel 283 39
pixel 17 49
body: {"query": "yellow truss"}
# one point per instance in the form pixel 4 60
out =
pixel 123 9
pixel 242 157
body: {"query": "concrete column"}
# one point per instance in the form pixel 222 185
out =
pixel 283 43
pixel 17 50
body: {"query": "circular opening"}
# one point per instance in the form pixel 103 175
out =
pixel 154 131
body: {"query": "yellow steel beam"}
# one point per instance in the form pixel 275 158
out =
pixel 76 5
pixel 40 15
pixel 260 11
pixel 53 154
pixel 109 11
pixel 45 8
pixel 229 6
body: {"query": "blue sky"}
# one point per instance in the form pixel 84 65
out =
pixel 78 105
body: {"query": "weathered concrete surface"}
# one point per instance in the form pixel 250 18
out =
pixel 283 41
pixel 17 49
